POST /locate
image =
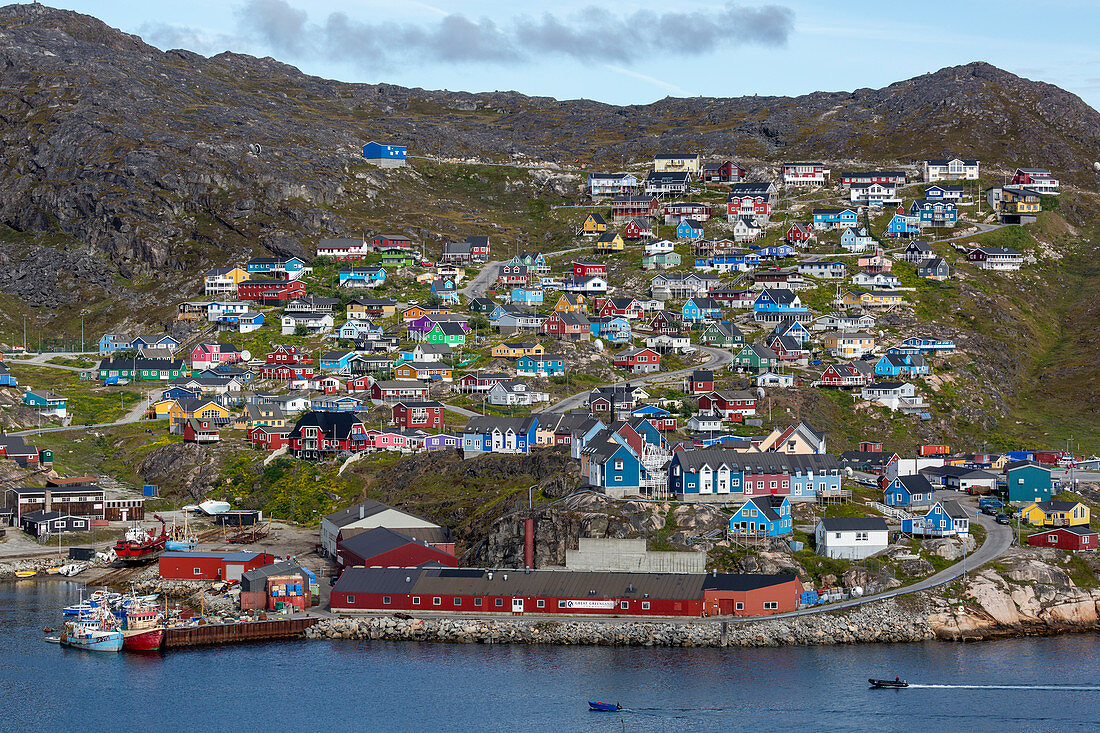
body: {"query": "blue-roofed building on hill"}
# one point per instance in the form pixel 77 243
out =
pixel 385 155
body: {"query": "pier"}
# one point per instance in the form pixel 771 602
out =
pixel 238 632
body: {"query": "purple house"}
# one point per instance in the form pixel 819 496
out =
pixel 418 327
pixel 442 441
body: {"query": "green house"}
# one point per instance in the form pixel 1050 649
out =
pixel 724 335
pixel 1027 481
pixel 661 261
pixel 398 259
pixel 446 332
pixel 46 402
pixel 142 369
pixel 755 357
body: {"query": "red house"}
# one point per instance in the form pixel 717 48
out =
pixel 732 406
pixel 584 268
pixel 359 384
pixel 384 548
pixel 716 174
pixel 390 241
pixel 210 565
pixel 701 381
pixel 481 381
pixel 268 438
pixel 627 207
pixel 510 275
pixel 289 355
pixel 800 233
pixel 638 361
pixel 271 292
pixel 397 390
pixel 200 430
pixel 618 307
pixel 638 228
pixel 759 205
pixel 567 325
pixel 418 415
pixel 665 322
pixel 845 375
pixel 323 434
pixel 787 348
pixel 676 212
pixel 894 177
pixel 1065 538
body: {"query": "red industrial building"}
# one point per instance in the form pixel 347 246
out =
pixel 384 548
pixel 562 592
pixel 1065 538
pixel 211 565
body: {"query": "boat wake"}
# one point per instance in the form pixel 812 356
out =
pixel 1062 688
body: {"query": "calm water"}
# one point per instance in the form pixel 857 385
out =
pixel 349 686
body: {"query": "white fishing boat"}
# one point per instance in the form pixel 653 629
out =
pixel 212 507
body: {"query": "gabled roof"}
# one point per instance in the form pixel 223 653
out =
pixel 853 524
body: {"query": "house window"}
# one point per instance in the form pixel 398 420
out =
pixel 351 600
pixel 416 600
pixel 477 602
pixel 624 605
pixel 198 571
pixel 385 600
pixel 561 604
pixel 739 606
pixel 540 603
pixel 645 605
pixel 771 605
pixel 498 602
pixel 860 536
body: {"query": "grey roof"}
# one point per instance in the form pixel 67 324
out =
pixel 370 507
pixel 954 509
pixel 729 581
pixel 559 584
pixel 849 524
pixel 1056 506
pixel 760 463
pixel 254 579
pixel 916 484
pixel 375 541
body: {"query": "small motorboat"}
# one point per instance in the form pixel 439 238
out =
pixel 887 684
pixel 606 707
pixel 26 573
pixel 54 570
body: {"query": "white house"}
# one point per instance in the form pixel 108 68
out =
pixel 365 516
pixel 660 247
pixel 774 379
pixel 312 322
pixel 895 396
pixel 878 280
pixel 515 392
pixel 950 170
pixel 851 538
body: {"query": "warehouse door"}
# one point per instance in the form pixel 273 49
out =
pixel 517 605
pixel 233 572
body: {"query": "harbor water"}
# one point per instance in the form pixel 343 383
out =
pixel 1033 684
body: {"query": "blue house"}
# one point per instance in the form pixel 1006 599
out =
pixel 778 304
pixel 909 491
pixel 112 342
pixel 614 329
pixel 334 403
pixel 689 229
pixel 774 251
pixel 273 265
pixel 445 290
pixel 856 240
pixel 545 365
pixel 763 516
pixel 181 393
pixel 492 434
pixel 386 156
pixel 162 341
pixel 934 213
pixel 701 309
pixel 357 329
pixel 336 361
pixel 792 328
pixel 813 476
pixel 834 218
pixel 903 226
pixel 363 277
pixel 929 345
pixel 7 379
pixel 527 296
pixel 902 365
pixel 936 192
pixel 1027 481
pixel 944 519
pixel 607 462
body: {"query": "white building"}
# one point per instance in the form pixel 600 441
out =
pixel 851 538
pixel 950 170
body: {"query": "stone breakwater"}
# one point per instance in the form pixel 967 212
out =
pixel 885 621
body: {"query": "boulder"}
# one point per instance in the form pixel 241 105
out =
pixel 916 568
pixel 1033 571
pixel 949 548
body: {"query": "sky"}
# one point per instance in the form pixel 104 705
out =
pixel 630 53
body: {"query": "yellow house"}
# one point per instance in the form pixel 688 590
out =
pixel 1056 514
pixel 609 242
pixel 998 464
pixel 264 415
pixel 370 309
pixel 571 302
pixel 849 345
pixel 594 225
pixel 184 410
pixel 161 408
pixel 1020 201
pixel 516 350
pixel 871 298
pixel 424 371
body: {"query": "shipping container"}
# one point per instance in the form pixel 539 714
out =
pixel 935 450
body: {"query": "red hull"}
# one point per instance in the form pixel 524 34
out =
pixel 129 551
pixel 147 640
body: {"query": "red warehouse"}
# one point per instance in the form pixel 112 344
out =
pixel 1065 538
pixel 210 565
pixel 384 548
pixel 414 415
pixel 560 592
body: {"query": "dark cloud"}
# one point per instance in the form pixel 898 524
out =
pixel 593 34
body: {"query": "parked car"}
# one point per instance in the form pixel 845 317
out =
pixel 1003 519
pixel 990 501
pixel 990 510
pixel 815 362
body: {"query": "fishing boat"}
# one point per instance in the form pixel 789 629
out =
pixel 55 570
pixel 77 608
pixel 141 545
pixel 606 707
pixel 26 573
pixel 92 634
pixel 74 568
pixel 211 507
pixel 144 629
pixel 897 682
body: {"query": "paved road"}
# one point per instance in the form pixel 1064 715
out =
pixel 134 415
pixel 718 358
pixel 480 283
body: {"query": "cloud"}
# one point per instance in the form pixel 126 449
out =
pixel 590 35
pixel 199 40
pixel 667 86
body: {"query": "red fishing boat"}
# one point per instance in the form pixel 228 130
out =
pixel 144 631
pixel 139 544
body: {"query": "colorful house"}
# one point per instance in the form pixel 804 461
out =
pixel 594 225
pixel 834 218
pixel 1027 481
pixel 610 242
pixel 1074 539
pixel 46 403
pixel 449 333
pixel 638 361
pixel 722 334
pixel 908 492
pixel 762 516
pixel 902 365
pixel 755 358
pixel 544 365
pixel 1056 514
pixel 689 229
pixel 903 225
pixel 491 434
pixel 943 519
pixel 698 309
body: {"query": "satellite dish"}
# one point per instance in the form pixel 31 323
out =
pixel 760 392
pixel 255 148
pixel 246 355
pixel 598 344
pixel 1096 166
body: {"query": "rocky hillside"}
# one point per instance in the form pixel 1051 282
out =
pixel 131 165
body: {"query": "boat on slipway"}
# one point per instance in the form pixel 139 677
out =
pixel 139 544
